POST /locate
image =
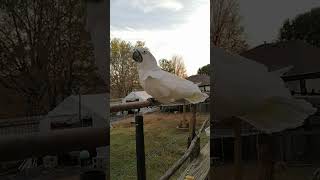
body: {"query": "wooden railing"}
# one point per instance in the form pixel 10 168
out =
pixel 175 167
pixel 21 147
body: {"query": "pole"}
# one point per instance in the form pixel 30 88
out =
pixel 80 109
pixel 192 133
pixel 237 149
pixel 141 169
pixel 192 124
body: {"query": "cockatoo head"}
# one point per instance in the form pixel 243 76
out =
pixel 144 59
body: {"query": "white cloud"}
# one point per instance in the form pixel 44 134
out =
pixel 190 39
pixel 150 5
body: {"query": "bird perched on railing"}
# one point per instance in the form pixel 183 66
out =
pixel 163 86
pixel 245 89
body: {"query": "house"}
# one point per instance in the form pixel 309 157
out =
pixel 304 77
pixel 202 80
pixel 77 111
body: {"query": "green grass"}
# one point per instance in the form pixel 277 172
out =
pixel 164 145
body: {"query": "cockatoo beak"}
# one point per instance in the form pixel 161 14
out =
pixel 137 56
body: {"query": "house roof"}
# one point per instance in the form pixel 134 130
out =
pixel 203 79
pixel 304 57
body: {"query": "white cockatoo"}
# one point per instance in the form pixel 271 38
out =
pixel 245 89
pixel 163 86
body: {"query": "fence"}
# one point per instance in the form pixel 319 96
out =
pixel 201 107
pixel 20 126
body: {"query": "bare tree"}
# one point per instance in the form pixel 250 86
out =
pixel 166 65
pixel 226 31
pixel 175 66
pixel 179 66
pixel 44 49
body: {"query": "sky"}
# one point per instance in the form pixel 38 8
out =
pixel 262 19
pixel 168 27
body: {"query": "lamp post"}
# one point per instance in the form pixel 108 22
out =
pixel 76 90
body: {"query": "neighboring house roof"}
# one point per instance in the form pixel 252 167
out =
pixel 200 79
pixel 304 57
pixel 141 95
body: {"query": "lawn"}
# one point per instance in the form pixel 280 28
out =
pixel 164 144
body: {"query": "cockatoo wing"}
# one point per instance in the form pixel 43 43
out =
pixel 278 113
pixel 168 88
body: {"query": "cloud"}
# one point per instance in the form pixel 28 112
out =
pixel 190 39
pixel 149 14
pixel 148 6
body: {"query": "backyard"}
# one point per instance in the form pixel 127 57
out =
pixel 164 144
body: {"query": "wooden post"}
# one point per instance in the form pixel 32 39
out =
pixel 184 121
pixel 80 119
pixel 192 124
pixel 237 149
pixel 192 133
pixel 141 169
pixel 303 87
